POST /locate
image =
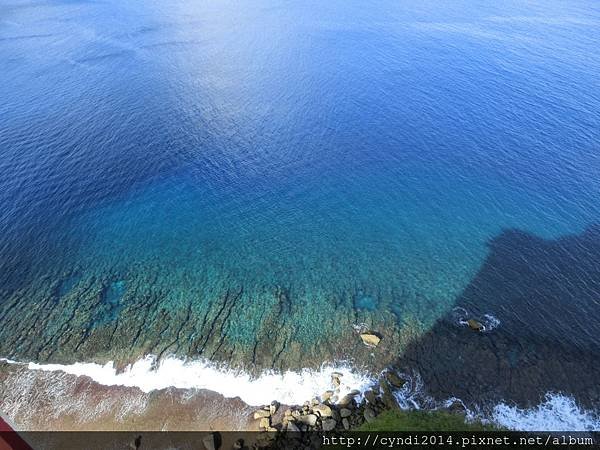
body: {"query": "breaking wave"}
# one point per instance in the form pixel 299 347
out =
pixel 556 413
pixel 147 374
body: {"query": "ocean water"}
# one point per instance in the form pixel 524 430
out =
pixel 244 183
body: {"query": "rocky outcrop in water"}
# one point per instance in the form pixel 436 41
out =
pixel 475 325
pixel 370 339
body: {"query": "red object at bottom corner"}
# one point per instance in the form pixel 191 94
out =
pixel 10 439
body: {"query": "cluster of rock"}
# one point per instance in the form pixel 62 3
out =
pixel 331 411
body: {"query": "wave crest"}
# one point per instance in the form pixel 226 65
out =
pixel 147 374
pixel 556 413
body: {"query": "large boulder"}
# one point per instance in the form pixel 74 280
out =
pixel 326 395
pixel 309 419
pixel 369 415
pixel 261 413
pixel 370 339
pixel 345 412
pixel 370 396
pixel 475 325
pixel 265 423
pixel 328 424
pixel 387 394
pixel 322 410
pixel 347 401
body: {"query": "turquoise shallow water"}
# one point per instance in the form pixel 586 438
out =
pixel 246 183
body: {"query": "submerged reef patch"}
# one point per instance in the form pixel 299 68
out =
pixel 104 319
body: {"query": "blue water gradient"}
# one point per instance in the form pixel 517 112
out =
pixel 361 155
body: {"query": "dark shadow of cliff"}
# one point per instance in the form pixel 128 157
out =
pixel 546 295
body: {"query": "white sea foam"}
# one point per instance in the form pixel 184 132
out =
pixel 412 395
pixel 289 387
pixel 556 413
pixel 490 322
pixel 9 361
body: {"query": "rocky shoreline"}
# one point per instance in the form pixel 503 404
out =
pixel 37 400
pixel 332 410
pixel 329 412
pixel 540 346
pixel 460 358
pixel 55 400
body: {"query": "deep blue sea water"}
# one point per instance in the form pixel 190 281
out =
pixel 361 154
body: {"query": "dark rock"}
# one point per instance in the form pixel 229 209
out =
pixel 369 414
pixel 475 325
pixel 346 423
pixel 347 401
pixel 209 442
pixel 328 424
pixel 457 407
pixel 291 426
pixel 394 379
pixel 322 410
pixel 371 397
pixel 387 395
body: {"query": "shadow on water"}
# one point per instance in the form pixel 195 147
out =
pixel 546 296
